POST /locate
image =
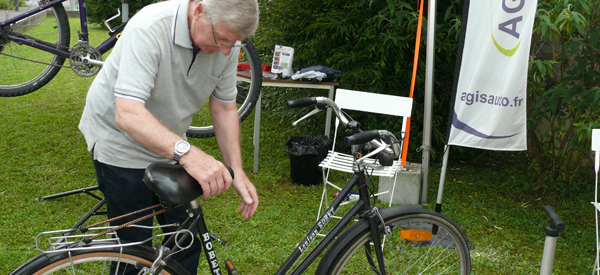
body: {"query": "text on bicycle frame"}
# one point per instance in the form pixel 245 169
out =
pixel 312 235
pixel 212 257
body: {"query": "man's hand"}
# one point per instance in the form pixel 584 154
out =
pixel 212 175
pixel 247 193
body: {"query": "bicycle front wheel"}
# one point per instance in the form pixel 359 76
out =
pixel 125 260
pixel 422 242
pixel 24 69
pixel 247 96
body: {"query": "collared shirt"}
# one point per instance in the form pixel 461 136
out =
pixel 153 62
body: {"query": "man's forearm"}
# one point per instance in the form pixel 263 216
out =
pixel 227 130
pixel 132 117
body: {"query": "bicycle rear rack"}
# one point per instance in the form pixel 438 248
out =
pixel 65 240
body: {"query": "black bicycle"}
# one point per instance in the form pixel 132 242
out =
pixel 405 239
pixel 35 43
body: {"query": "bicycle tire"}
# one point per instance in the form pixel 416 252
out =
pixel 18 76
pixel 447 252
pixel 96 261
pixel 247 96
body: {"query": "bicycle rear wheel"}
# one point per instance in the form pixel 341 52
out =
pixel 422 242
pixel 97 261
pixel 248 92
pixel 18 74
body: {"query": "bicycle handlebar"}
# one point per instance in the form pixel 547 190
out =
pixel 556 224
pixel 362 137
pixel 307 101
pixel 356 139
pixel 302 102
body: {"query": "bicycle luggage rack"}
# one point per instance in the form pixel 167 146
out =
pixel 63 240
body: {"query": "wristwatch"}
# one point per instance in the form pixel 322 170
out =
pixel 181 148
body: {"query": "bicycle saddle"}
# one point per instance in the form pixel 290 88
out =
pixel 171 183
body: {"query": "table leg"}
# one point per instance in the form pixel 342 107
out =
pixel 328 116
pixel 256 137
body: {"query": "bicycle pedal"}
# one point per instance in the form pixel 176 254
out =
pixel 231 270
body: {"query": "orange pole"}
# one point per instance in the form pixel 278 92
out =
pixel 412 84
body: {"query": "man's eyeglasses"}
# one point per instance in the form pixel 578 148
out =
pixel 236 44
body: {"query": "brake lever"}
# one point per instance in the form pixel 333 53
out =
pixel 379 144
pixel 318 108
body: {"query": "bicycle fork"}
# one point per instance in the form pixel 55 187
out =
pixel 374 218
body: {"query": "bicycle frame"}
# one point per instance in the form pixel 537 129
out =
pixel 361 208
pixel 41 45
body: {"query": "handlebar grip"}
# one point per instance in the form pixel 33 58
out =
pixel 555 222
pixel 362 137
pixel 302 102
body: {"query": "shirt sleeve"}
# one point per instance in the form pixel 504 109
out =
pixel 138 65
pixel 226 90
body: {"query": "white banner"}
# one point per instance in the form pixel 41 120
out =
pixel 489 110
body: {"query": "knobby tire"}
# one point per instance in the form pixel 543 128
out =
pixel 18 76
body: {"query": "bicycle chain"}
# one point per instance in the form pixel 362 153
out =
pixel 4 41
pixel 78 51
pixel 35 61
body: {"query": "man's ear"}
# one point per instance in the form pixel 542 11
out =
pixel 198 9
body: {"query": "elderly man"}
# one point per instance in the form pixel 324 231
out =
pixel 171 58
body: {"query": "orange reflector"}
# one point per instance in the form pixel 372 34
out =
pixel 415 235
pixel 230 264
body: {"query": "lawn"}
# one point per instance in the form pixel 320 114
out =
pixel 42 153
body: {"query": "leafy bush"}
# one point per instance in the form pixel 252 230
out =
pixel 100 10
pixel 372 42
pixel 564 90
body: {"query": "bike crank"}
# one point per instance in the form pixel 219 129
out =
pixel 85 60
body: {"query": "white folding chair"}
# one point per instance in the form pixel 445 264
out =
pixel 365 102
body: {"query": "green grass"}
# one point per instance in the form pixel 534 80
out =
pixel 9 4
pixel 42 153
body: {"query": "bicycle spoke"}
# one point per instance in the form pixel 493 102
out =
pixel 405 253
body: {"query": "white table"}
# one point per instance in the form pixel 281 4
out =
pixel 245 76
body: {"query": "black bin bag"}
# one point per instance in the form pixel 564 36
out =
pixel 305 153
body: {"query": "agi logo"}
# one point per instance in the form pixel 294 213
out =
pixel 513 11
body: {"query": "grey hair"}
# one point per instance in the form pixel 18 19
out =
pixel 240 16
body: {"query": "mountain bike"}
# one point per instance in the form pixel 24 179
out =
pixel 404 239
pixel 35 43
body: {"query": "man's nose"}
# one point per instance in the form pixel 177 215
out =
pixel 225 50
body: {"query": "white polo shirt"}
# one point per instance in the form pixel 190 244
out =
pixel 152 63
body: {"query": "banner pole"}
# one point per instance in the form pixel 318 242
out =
pixel 438 205
pixel 413 82
pixel 429 66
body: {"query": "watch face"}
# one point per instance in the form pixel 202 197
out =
pixel 182 146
